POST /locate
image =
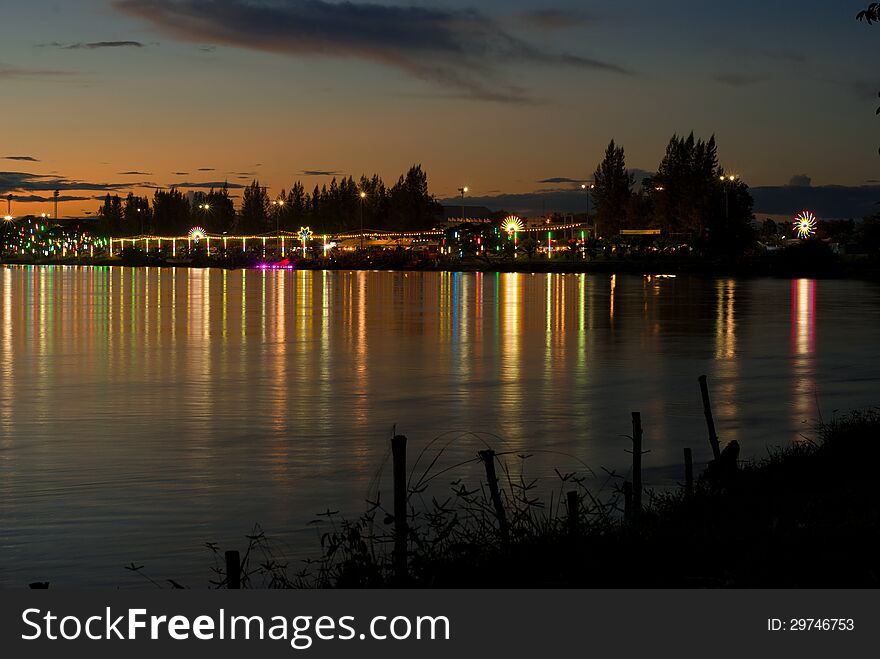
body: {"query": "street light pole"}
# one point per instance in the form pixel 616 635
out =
pixel 363 196
pixel 725 181
pixel 462 191
pixel 279 207
pixel 589 190
pixel 55 195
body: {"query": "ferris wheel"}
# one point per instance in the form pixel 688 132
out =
pixel 805 224
pixel 512 224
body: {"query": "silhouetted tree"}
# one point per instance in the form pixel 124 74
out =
pixel 871 14
pixel 220 215
pixel 111 213
pixel 410 206
pixel 613 189
pixel 375 202
pixel 295 208
pixel 255 206
pixel 769 229
pixel 136 215
pixel 689 196
pixel 171 213
pixel 869 235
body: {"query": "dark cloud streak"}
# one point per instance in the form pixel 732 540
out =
pixel 95 45
pixel 14 182
pixel 320 172
pixel 207 185
pixel 562 179
pixel 462 50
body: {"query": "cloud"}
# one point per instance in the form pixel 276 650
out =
pixel 800 181
pixel 19 73
pixel 26 158
pixel 553 18
pixel 738 79
pixel 24 199
pixel 180 173
pixel 461 50
pixel 135 174
pixel 320 172
pixel 15 182
pixel 562 179
pixel 206 169
pixel 828 202
pixel 207 185
pixel 96 44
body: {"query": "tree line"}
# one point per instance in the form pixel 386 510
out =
pixel 345 204
pixel 690 195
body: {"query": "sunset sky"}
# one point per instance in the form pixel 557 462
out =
pixel 506 97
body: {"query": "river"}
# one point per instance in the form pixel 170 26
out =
pixel 144 412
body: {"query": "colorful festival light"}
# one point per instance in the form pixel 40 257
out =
pixel 512 224
pixel 197 233
pixel 805 225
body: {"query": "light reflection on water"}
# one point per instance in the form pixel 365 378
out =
pixel 144 412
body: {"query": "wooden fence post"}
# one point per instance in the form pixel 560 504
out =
pixel 710 422
pixel 488 458
pixel 637 464
pixel 688 473
pixel 627 501
pixel 233 570
pixel 398 453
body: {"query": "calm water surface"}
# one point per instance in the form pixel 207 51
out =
pixel 144 412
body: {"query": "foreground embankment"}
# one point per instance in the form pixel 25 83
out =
pixel 802 516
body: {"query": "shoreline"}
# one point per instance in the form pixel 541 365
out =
pixel 852 268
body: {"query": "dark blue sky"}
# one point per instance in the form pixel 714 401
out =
pixel 497 95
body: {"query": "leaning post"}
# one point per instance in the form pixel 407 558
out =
pixel 488 458
pixel 710 422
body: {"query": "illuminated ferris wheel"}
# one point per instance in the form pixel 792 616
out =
pixel 805 224
pixel 512 225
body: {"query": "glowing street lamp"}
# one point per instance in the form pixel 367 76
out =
pixel 462 191
pixel 279 206
pixel 726 181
